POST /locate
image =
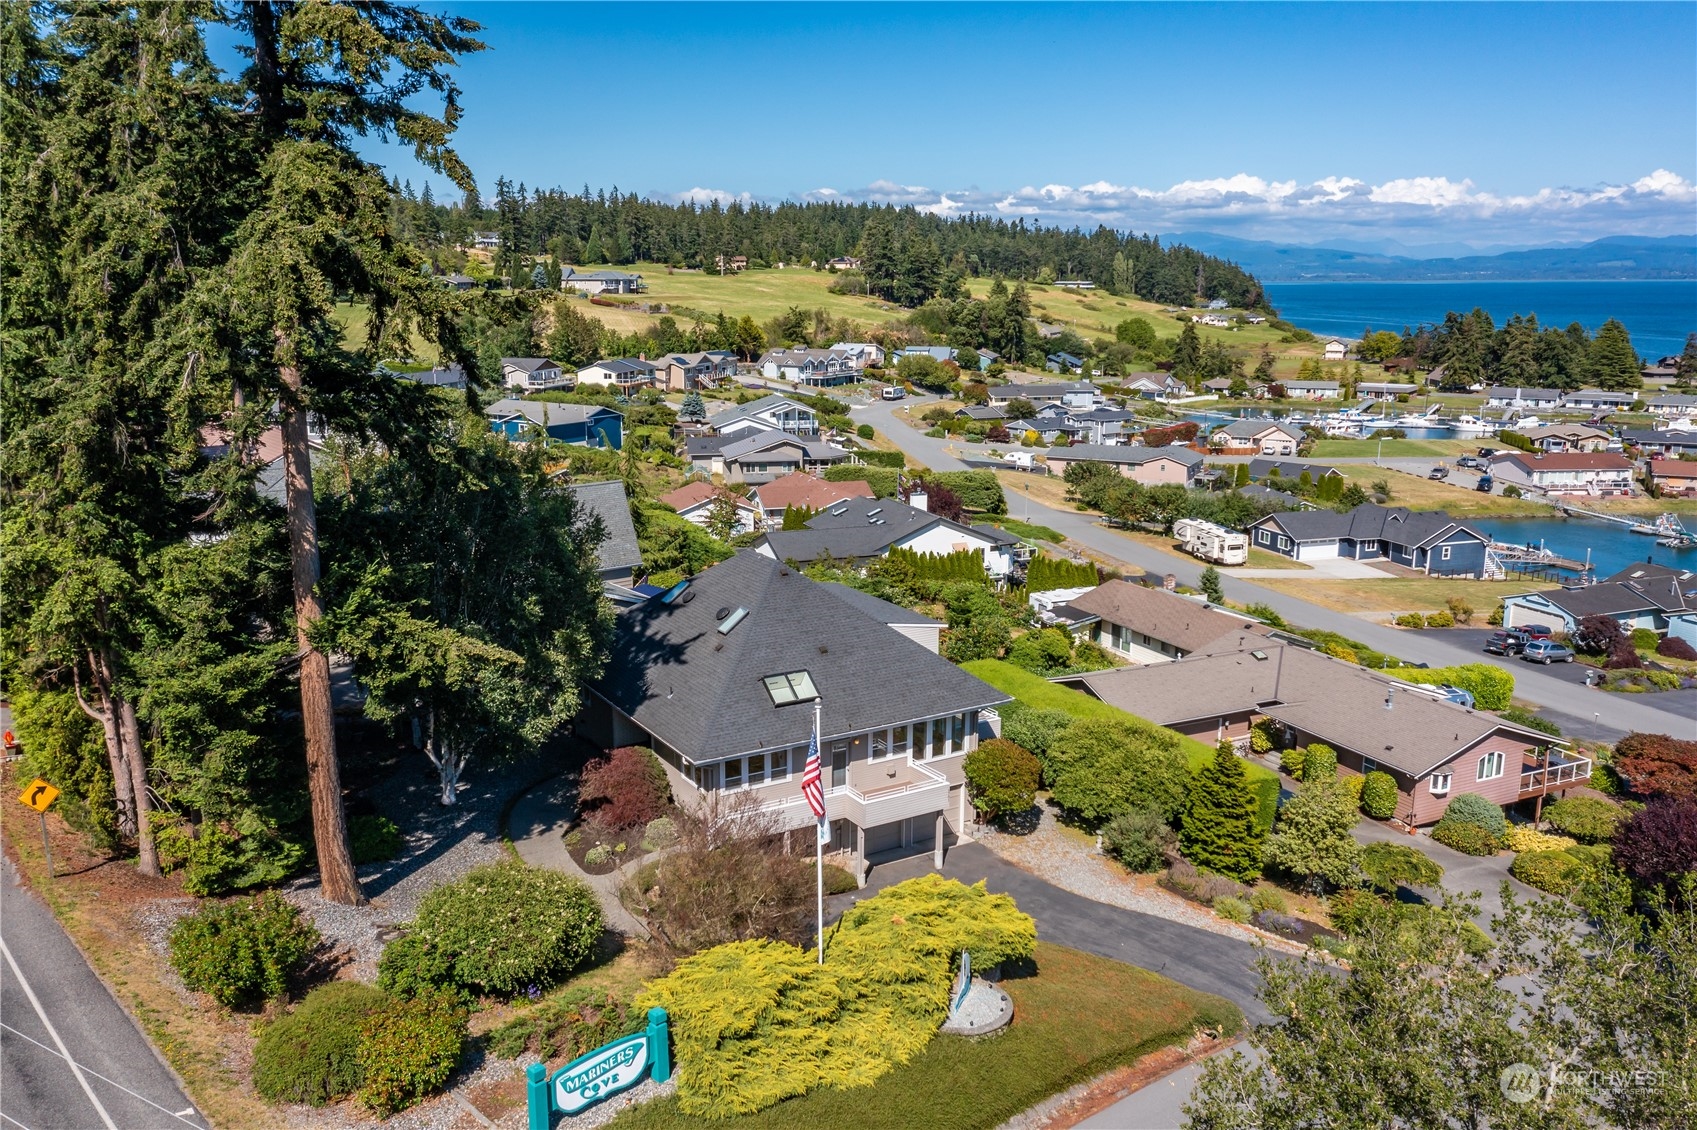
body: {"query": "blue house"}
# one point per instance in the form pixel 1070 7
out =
pixel 1064 363
pixel 588 424
pixel 1429 541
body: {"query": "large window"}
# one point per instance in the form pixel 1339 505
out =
pixel 1491 766
pixel 748 772
pixel 957 733
pixel 899 744
pixel 1441 783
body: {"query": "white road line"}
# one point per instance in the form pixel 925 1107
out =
pixel 177 1114
pixel 12 1120
pixel 54 1032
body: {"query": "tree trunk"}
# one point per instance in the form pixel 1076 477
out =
pixel 337 878
pixel 147 856
pixel 448 765
pixel 123 786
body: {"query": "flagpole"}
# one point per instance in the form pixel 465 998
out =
pixel 819 850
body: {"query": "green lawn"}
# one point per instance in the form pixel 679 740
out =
pixel 1029 530
pixel 1080 1015
pixel 1038 692
pixel 1393 448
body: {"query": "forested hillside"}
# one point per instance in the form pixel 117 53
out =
pixel 910 256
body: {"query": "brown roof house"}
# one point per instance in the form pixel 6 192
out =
pixel 804 490
pixel 1432 748
pixel 1593 473
pixel 695 501
pixel 1148 625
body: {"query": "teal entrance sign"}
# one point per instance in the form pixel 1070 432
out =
pixel 601 1074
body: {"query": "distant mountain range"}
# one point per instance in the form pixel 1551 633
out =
pixel 1616 257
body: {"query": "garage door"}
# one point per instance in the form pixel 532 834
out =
pixel 883 837
pixel 1317 551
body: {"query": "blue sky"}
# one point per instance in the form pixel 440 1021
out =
pixel 1512 124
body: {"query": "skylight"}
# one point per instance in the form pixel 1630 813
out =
pixel 797 686
pixel 732 621
pixel 671 595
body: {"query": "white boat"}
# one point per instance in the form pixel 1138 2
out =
pixel 1521 423
pixel 1343 429
pixel 1426 419
pixel 1470 426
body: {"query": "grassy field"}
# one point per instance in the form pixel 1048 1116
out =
pixel 355 322
pixel 761 294
pixel 1029 530
pixel 1392 448
pixel 1036 691
pixel 1075 1016
pixel 1402 594
pixel 1417 492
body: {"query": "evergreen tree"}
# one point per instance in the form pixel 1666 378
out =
pixel 1241 478
pixel 1187 354
pixel 1211 587
pixel 1312 840
pixel 1614 363
pixel 1686 369
pixel 1219 832
pixel 693 408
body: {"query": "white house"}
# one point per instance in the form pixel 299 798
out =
pixel 534 374
pixel 623 374
pixel 819 367
pixel 773 411
pixel 1068 394
pixel 1599 400
pixel 1382 390
pixel 601 282
pixel 1336 349
pixel 1310 390
pixel 1675 404
pixel 1518 397
pixel 1593 473
pixel 862 529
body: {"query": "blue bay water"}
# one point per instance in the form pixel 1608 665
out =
pixel 1658 315
pixel 1612 547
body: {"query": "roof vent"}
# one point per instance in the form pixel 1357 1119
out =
pixel 732 621
pixel 721 614
pixel 840 511
pixel 874 510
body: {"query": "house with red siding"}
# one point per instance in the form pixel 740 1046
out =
pixel 1433 749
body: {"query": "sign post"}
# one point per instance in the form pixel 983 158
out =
pixel 39 795
pixel 601 1074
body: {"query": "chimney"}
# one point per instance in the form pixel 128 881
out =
pixel 919 500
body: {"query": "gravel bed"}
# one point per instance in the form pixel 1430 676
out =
pixel 442 844
pixel 1059 857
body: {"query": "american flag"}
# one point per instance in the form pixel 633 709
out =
pixel 810 784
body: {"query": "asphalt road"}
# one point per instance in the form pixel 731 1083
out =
pixel 70 1057
pixel 1602 717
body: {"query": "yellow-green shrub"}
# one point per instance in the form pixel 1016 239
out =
pixel 1522 837
pixel 1553 872
pixel 757 1022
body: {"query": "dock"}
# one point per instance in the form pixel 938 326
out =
pixel 1537 562
pixel 1635 524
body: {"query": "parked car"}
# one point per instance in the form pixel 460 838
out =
pixel 1546 652
pixel 1536 631
pixel 1439 472
pixel 1506 642
pixel 1450 694
pixel 894 392
pixel 1471 461
pixel 1484 485
pixel 1487 452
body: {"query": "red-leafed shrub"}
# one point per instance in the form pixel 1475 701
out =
pixel 1623 656
pixel 1657 765
pixel 1597 635
pixel 1172 433
pixel 625 789
pixel 1658 844
pixel 1675 648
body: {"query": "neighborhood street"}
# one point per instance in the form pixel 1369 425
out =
pixel 70 1057
pixel 1594 715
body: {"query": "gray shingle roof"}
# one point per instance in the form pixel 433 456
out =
pixel 815 448
pixel 1121 453
pixel 1168 617
pixel 543 413
pixel 860 528
pixel 1396 524
pixel 529 364
pixel 1289 469
pixel 607 501
pixel 701 692
pixel 1249 429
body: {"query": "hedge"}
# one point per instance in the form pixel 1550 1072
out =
pixel 1038 693
pixel 1553 872
pixel 1492 687
pixel 1471 808
pixel 1590 820
pixel 757 1022
pixel 311 1055
pixel 1469 839
pixel 977 490
pixel 882 480
pixel 1379 795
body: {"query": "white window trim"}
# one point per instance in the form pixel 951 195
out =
pixel 1493 760
pixel 1435 789
pixel 1446 552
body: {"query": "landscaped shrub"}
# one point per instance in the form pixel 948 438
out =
pixel 411 966
pixel 838 881
pixel 1491 686
pixel 1290 761
pixel 1590 820
pixel 1034 728
pixel 626 788
pixel 1524 837
pixel 1410 620
pixel 373 839
pixel 1138 838
pixel 217 859
pixel 1440 620
pixel 864 431
pixel 1320 762
pixel 598 855
pixel 1658 843
pixel 311 1055
pixel 759 1021
pixel 1379 795
pixel 1523 717
pixel 579 1020
pixel 1267 898
pixel 1675 648
pixel 1469 839
pixel 1102 766
pixel 1220 831
pixel 1231 909
pixel 661 832
pixel 1553 872
pixel 1644 639
pixel 1350 909
pixel 1001 778
pixel 1312 839
pixel 1261 737
pixel 1389 866
pixel 508 926
pixel 1657 765
pixel 1352 784
pixel 242 952
pixel 1471 808
pixel 408 1050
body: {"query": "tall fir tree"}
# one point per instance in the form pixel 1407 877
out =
pixel 1614 363
pixel 1219 830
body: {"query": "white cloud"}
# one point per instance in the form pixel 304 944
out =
pixel 709 195
pixel 1660 203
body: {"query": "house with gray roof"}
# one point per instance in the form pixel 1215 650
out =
pixel 450 376
pixel 1657 597
pixel 983 413
pixel 592 283
pixel 1662 441
pixel 1673 404
pixel 682 372
pixel 724 675
pixel 1310 390
pixel 1429 541
pixel 916 626
pixel 1291 470
pixel 1104 425
pixel 1148 465
pixel 534 374
pixel 1151 625
pixel 1263 437
pixel 763 455
pixel 820 368
pixel 591 425
pixel 860 530
pixel 773 411
pixel 1600 400
pixel 621 375
pixel 1432 749
pixel 618 555
pixel 1080 395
